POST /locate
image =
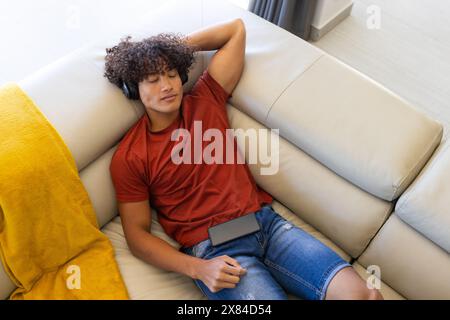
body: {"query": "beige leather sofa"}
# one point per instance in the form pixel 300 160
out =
pixel 349 149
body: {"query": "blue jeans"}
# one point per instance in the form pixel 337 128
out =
pixel 279 258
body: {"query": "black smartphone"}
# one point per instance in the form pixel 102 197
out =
pixel 233 229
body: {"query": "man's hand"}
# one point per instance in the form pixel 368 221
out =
pixel 219 272
pixel 229 39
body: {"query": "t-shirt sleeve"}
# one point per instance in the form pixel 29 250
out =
pixel 128 183
pixel 207 86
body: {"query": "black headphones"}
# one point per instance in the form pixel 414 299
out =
pixel 131 90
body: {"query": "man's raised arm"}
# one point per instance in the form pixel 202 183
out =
pixel 228 38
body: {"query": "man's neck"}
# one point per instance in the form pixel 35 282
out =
pixel 159 121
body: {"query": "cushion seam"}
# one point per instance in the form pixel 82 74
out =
pixel 290 84
pixel 397 186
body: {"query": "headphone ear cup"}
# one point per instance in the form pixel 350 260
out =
pixel 130 90
pixel 134 90
pixel 184 78
pixel 125 90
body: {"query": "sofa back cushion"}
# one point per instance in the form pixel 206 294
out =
pixel 425 204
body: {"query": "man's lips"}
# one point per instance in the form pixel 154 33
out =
pixel 169 97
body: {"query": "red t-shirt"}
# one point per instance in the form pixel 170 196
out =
pixel 189 198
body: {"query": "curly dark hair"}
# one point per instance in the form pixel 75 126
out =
pixel 134 61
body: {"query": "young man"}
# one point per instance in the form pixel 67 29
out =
pixel 190 198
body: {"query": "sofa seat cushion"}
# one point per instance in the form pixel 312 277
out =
pixel 145 281
pixel 410 263
pixel 386 291
pixel 6 284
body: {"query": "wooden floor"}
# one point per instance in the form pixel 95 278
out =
pixel 409 54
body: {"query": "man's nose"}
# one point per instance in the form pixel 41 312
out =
pixel 166 83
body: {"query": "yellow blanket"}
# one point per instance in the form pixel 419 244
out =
pixel 50 243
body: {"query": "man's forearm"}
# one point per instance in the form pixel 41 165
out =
pixel 161 254
pixel 216 36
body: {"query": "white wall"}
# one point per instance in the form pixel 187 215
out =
pixel 326 10
pixel 241 3
pixel 36 33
